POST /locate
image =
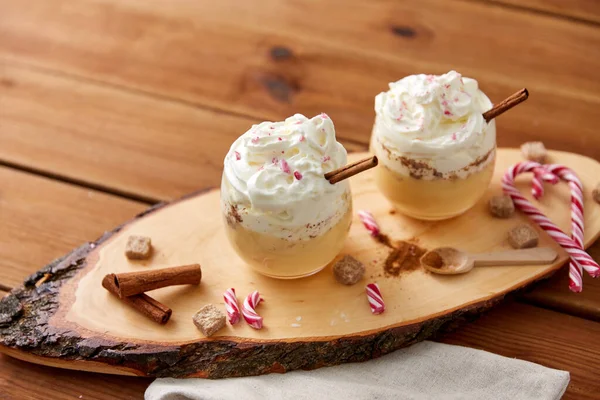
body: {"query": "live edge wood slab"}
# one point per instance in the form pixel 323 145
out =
pixel 70 321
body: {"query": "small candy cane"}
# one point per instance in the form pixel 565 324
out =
pixel 540 175
pixel 375 298
pixel 369 222
pixel 248 310
pixel 573 245
pixel 231 305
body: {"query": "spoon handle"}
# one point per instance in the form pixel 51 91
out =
pixel 535 256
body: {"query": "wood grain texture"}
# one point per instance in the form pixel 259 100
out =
pixel 145 152
pixel 545 337
pixel 73 306
pixel 124 141
pixel 271 61
pixel 556 295
pixel 43 219
pixel 584 10
pixel 512 330
pixel 25 381
pixel 266 65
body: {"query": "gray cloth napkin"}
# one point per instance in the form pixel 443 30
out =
pixel 426 370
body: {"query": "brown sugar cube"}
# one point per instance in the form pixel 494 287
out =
pixel 209 320
pixel 348 270
pixel 138 247
pixel 523 237
pixel 502 206
pixel 596 193
pixel 534 151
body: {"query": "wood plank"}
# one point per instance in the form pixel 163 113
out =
pixel 111 154
pixel 92 159
pixel 555 293
pixel 44 219
pixel 512 330
pixel 112 138
pixel 22 380
pixel 417 302
pixel 271 61
pixel 541 336
pixel 585 10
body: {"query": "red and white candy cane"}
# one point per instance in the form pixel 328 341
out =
pixel 369 222
pixel 540 175
pixel 375 298
pixel 249 312
pixel 573 245
pixel 231 305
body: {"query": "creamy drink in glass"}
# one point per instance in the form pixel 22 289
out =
pixel 435 149
pixel 282 216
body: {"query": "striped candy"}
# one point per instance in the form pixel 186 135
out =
pixel 580 260
pixel 537 182
pixel 248 310
pixel 369 222
pixel 231 305
pixel 375 298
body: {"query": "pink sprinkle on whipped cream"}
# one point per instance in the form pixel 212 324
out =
pixel 255 139
pixel 285 167
pixel 454 136
pixel 297 175
pixel 324 116
pixel 302 138
pixel 237 155
pixel 326 158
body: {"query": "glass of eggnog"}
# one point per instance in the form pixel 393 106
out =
pixel 436 150
pixel 283 218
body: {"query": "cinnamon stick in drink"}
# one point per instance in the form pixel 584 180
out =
pixel 143 303
pixel 351 169
pixel 130 283
pixel 506 104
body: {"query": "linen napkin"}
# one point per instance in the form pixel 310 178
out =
pixel 426 370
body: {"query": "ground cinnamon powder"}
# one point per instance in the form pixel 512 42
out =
pixel 405 257
pixel 385 240
pixel 434 260
pixel 232 216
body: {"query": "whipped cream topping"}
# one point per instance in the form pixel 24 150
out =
pixel 436 121
pixel 274 178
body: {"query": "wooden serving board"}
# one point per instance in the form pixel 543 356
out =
pixel 70 321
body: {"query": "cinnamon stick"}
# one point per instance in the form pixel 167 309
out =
pixel 145 304
pixel 351 169
pixel 506 104
pixel 130 283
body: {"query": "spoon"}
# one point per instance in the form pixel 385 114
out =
pixel 451 261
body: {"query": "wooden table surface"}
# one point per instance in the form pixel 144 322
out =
pixel 108 106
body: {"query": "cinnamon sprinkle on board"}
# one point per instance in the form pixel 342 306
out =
pixel 405 257
pixel 385 240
